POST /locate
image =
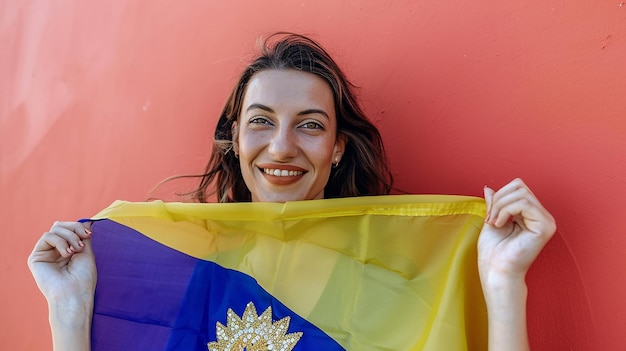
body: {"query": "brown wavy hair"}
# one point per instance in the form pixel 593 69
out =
pixel 363 169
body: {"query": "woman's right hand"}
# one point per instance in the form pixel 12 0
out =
pixel 64 268
pixel 63 263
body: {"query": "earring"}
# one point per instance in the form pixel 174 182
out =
pixel 336 163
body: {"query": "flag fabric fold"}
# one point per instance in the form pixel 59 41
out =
pixel 366 273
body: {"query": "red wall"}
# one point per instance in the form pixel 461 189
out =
pixel 100 100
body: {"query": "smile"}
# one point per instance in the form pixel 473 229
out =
pixel 282 172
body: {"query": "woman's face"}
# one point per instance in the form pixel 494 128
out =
pixel 286 136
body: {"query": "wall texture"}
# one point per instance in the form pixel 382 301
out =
pixel 100 100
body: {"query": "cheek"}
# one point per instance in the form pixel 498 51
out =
pixel 249 144
pixel 321 154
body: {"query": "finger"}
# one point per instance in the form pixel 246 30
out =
pixel 488 192
pixel 519 195
pixel 83 230
pixel 87 227
pixel 51 242
pixel 73 233
pixel 511 187
pixel 510 193
pixel 528 215
pixel 74 242
pixel 517 208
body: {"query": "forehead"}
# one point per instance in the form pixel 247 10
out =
pixel 289 88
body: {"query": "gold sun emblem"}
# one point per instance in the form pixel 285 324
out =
pixel 252 332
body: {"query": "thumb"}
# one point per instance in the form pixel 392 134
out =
pixel 83 266
pixel 488 200
pixel 84 258
pixel 88 249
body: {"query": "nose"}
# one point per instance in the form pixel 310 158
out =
pixel 283 146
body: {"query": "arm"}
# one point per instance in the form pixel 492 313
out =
pixel 63 266
pixel 70 324
pixel 506 310
pixel 516 228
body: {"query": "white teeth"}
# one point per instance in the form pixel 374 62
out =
pixel 281 172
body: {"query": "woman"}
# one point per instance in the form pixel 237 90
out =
pixel 293 130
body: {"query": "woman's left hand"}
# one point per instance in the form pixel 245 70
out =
pixel 516 228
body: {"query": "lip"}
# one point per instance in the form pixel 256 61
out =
pixel 281 179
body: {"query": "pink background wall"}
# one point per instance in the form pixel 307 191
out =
pixel 100 100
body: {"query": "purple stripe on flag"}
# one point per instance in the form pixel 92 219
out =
pixel 135 310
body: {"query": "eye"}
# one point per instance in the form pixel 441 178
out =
pixel 259 120
pixel 312 125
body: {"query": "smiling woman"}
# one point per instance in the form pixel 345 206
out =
pixel 292 130
pixel 287 136
pixel 296 66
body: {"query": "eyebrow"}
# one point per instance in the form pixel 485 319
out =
pixel 301 113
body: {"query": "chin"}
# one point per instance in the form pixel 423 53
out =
pixel 276 197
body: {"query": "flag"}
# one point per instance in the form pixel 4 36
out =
pixel 366 273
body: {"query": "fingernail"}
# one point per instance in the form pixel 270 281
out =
pixel 88 231
pixel 80 243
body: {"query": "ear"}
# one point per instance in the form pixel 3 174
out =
pixel 234 131
pixel 340 147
